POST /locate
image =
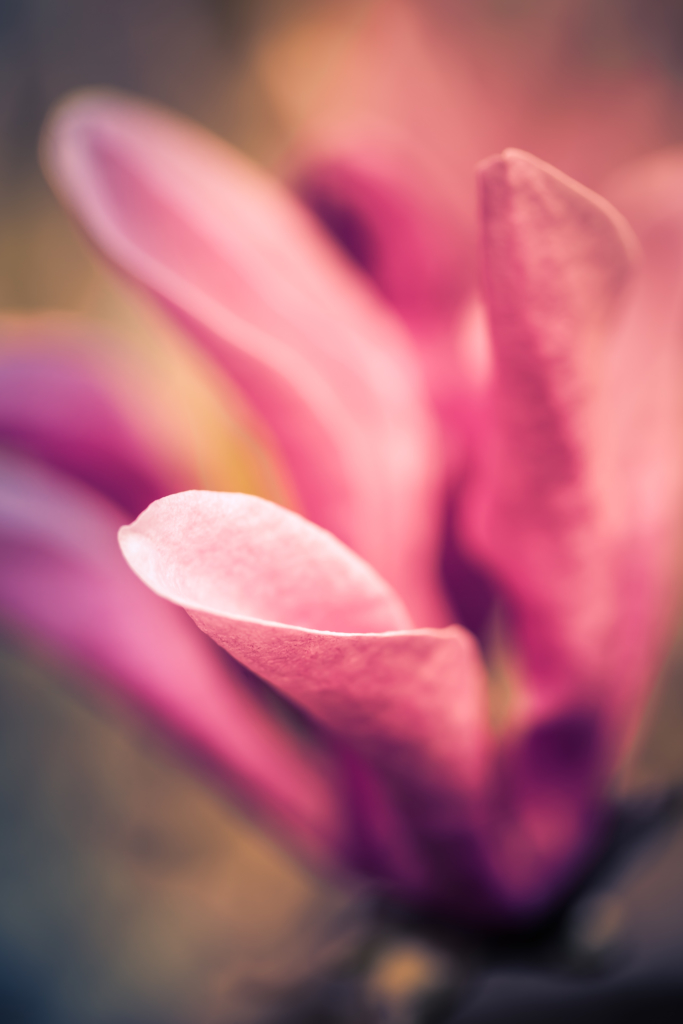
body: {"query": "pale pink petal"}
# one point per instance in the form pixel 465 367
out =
pixel 64 584
pixel 58 404
pixel 294 605
pixel 251 557
pixel 251 275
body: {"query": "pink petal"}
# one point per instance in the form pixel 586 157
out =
pixel 251 557
pixel 294 605
pixel 64 583
pixel 557 259
pixel 248 272
pixel 575 501
pixel 58 404
pixel 546 511
pixel 488 839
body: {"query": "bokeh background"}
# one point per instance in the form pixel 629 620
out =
pixel 132 889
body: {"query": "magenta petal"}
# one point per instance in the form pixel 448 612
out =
pixel 251 275
pixel 557 259
pixel 58 405
pixel 294 605
pixel 64 583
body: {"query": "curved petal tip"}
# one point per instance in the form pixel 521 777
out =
pixel 239 555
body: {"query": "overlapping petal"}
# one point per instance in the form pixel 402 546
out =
pixel 557 261
pixel 293 604
pixel 441 816
pixel 576 486
pixel 575 505
pixel 237 261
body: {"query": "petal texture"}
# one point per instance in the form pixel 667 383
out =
pixel 63 582
pixel 548 512
pixel 248 272
pixel 301 610
pixel 557 261
pixel 576 487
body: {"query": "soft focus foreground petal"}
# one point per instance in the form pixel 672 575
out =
pixel 60 405
pixel 64 583
pixel 253 278
pixel 557 259
pixel 301 610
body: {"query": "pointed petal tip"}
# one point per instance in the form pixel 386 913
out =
pixel 514 164
pixel 514 171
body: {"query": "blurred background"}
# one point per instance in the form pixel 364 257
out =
pixel 131 889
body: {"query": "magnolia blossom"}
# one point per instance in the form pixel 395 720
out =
pixel 540 484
